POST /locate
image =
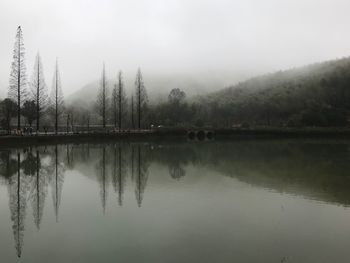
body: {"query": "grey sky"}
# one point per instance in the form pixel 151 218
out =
pixel 166 36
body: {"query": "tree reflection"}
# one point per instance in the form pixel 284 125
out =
pixel 69 157
pixel 28 165
pixel 141 176
pixel 176 171
pixel 118 172
pixel 102 178
pixel 18 192
pixel 38 191
pixel 56 183
pixel 8 164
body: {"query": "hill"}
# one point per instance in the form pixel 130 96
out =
pixel 159 86
pixel 314 95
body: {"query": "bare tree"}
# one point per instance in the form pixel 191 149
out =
pixel 39 90
pixel 115 105
pixel 56 98
pixel 121 99
pixel 132 112
pixel 17 88
pixel 102 97
pixel 119 102
pixel 141 96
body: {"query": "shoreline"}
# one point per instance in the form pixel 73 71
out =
pixel 184 134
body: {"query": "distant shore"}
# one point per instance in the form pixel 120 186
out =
pixel 196 134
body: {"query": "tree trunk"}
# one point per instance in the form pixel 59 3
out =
pixel 37 100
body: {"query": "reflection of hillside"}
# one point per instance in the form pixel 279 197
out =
pixel 317 170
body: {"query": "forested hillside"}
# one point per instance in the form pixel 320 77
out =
pixel 315 95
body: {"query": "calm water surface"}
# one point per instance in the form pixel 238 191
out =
pixel 223 201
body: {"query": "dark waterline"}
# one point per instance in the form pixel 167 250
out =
pixel 176 201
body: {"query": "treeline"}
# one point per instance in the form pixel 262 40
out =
pixel 29 103
pixel 313 96
pixel 30 100
pixel 316 95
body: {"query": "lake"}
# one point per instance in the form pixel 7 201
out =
pixel 176 201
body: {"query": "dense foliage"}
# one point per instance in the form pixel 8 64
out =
pixel 316 95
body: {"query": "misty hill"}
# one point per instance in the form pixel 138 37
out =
pixel 314 95
pixel 159 86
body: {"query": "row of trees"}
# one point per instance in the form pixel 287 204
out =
pixel 33 102
pixel 317 95
pixel 35 105
pixel 117 104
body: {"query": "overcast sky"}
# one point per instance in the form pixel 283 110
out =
pixel 172 36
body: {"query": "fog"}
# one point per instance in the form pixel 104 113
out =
pixel 230 40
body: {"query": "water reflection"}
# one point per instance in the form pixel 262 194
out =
pixel 312 169
pixel 56 182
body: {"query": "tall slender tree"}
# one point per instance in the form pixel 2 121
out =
pixel 56 97
pixel 17 88
pixel 102 97
pixel 121 100
pixel 141 96
pixel 39 90
pixel 114 105
pixel 132 112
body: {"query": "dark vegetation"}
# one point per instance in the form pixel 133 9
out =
pixel 316 95
pixel 313 96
